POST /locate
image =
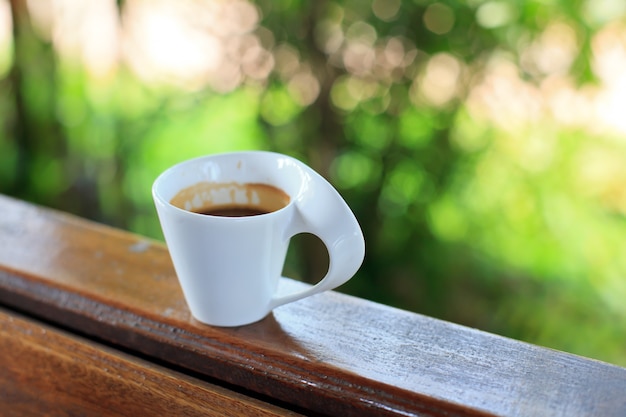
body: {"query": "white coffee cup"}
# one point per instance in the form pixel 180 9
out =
pixel 229 267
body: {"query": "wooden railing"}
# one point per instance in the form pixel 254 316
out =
pixel 92 322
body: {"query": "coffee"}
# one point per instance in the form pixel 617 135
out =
pixel 233 211
pixel 230 199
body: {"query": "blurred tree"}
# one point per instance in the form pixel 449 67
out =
pixel 477 141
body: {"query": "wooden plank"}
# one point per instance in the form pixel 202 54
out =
pixel 45 371
pixel 330 353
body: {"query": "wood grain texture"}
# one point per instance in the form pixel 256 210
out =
pixel 330 353
pixel 44 371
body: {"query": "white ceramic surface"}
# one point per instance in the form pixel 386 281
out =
pixel 229 267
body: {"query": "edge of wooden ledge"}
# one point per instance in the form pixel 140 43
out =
pixel 330 353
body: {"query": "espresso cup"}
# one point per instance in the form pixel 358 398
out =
pixel 227 221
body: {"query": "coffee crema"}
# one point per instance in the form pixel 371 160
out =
pixel 231 199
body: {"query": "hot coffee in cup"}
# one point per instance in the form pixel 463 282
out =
pixel 230 199
pixel 227 221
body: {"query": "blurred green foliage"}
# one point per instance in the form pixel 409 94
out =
pixel 482 201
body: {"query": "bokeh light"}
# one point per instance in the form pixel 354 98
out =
pixel 481 142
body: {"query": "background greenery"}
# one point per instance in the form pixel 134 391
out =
pixel 481 143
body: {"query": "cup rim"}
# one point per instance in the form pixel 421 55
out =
pixel 157 195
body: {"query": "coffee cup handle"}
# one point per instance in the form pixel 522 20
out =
pixel 320 210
